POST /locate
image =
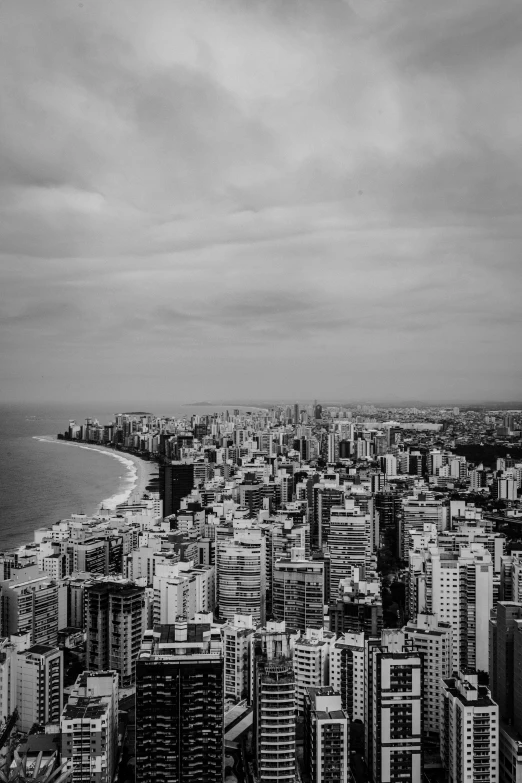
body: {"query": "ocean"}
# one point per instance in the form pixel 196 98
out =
pixel 42 481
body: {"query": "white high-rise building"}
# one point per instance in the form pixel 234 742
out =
pixel 462 595
pixel 418 509
pixel 458 588
pixel 389 464
pixel 348 542
pixel 241 575
pixel 39 685
pixel 333 447
pixel 347 673
pixel 469 730
pixel 311 662
pixel 326 740
pixel 433 638
pixel 238 641
pixel 394 713
pixel 89 728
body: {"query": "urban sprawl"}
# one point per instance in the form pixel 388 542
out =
pixel 303 593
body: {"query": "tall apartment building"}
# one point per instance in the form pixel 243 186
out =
pixel 389 507
pixel 176 482
pixel 238 641
pixel 274 702
pixel 511 577
pixel 433 638
pixel 8 658
pixel 89 728
pixel 241 576
pixel 311 662
pixel 458 588
pixel 298 591
pixel 505 649
pixel 502 626
pixel 416 510
pixel 394 710
pixel 30 607
pixel 281 539
pixel 464 535
pixel 469 730
pixel 348 543
pixel 39 685
pixel 115 622
pixel 357 606
pixel 325 496
pixel 326 736
pixel 274 719
pixel 179 706
pixel 348 672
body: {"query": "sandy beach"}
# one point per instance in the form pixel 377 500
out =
pixel 139 471
pixel 144 471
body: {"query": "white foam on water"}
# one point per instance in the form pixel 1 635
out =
pixel 131 478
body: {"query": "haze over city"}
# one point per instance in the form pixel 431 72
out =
pixel 258 199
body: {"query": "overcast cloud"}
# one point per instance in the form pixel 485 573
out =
pixel 260 198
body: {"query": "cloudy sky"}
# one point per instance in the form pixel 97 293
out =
pixel 260 199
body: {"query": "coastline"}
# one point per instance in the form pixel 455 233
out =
pixel 138 476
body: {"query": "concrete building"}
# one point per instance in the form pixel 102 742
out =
pixel 238 641
pixel 432 638
pixel 311 662
pixel 115 616
pixel 326 736
pixel 416 510
pixel 394 710
pixel 458 588
pixel 30 607
pixel 502 626
pixel 8 658
pixel 89 728
pixel 179 705
pixel 510 755
pixel 348 542
pixel 39 685
pixel 357 606
pixel 469 730
pixel 348 672
pixel 298 591
pixel 241 576
pixel 274 719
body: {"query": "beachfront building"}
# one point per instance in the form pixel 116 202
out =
pixel 30 606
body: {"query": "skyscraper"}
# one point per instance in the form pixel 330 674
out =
pixel 89 728
pixel 115 622
pixel 395 710
pixel 348 542
pixel 470 730
pixel 298 591
pixel 179 706
pixel 238 644
pixel 241 569
pixel 432 638
pixel 502 656
pixel 176 482
pixel 274 719
pixel 326 736
pixel 39 685
pixel 30 606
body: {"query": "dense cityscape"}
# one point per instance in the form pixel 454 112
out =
pixel 302 592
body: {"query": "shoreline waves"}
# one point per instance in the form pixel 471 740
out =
pixel 138 471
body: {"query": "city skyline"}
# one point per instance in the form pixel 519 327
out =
pixel 217 197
